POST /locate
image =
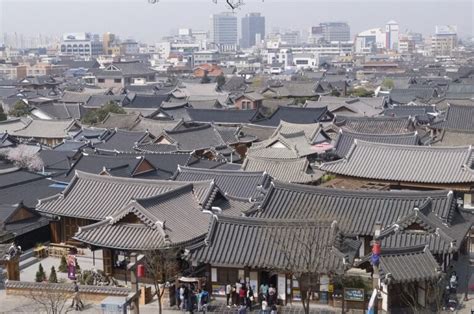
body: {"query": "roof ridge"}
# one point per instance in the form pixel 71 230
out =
pixel 370 193
pixel 146 201
pixel 221 171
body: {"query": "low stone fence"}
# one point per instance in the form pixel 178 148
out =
pixel 91 293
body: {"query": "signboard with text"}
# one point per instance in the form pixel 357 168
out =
pixel 354 294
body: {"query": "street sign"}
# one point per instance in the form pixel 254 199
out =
pixel 354 294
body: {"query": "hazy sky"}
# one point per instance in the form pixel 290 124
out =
pixel 149 22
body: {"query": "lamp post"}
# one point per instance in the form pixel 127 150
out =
pixel 468 266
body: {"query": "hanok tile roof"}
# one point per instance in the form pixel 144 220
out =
pixel 37 128
pixel 412 264
pixel 75 97
pixel 146 101
pixel 291 140
pixel 221 115
pixel 422 227
pixel 155 127
pixel 454 138
pixel 12 125
pixel 14 184
pixel 126 69
pixel 347 106
pixel 171 218
pixel 97 101
pixel 409 111
pixel 345 140
pixel 156 148
pixel 96 197
pixel 259 131
pixel 121 140
pixel 404 96
pixel 30 286
pixel 375 125
pixel 357 211
pixel 60 111
pixel 457 118
pixel 292 89
pixel 262 243
pixel 125 121
pixel 296 115
pixel 190 137
pixel 238 183
pixel 460 91
pixel 288 170
pixel 404 163
pixel 117 166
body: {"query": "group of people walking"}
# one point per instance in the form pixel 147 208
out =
pixel 190 299
pixel 241 294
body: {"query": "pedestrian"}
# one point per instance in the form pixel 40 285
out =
pixel 272 295
pixel 77 298
pixel 243 295
pixel 198 299
pixel 177 297
pixel 182 291
pixel 274 309
pixel 263 291
pixel 235 296
pixel 250 298
pixel 264 304
pixel 228 292
pixel 191 301
pixel 204 300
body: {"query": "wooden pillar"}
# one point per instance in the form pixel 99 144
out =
pixel 107 260
pixel 55 229
pixel 13 268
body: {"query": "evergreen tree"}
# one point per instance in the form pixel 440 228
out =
pixel 220 81
pixel 20 109
pixel 40 274
pixel 98 115
pixel 3 116
pixel 63 265
pixel 53 278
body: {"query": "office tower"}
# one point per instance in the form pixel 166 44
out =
pixel 224 31
pixel 253 26
pixel 334 31
pixel 444 41
pixel 392 35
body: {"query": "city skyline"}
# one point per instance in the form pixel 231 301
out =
pixel 277 14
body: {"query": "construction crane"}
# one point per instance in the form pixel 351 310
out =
pixel 233 4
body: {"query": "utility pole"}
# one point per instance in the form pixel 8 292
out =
pixel 134 296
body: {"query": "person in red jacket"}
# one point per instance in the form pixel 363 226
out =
pixel 243 295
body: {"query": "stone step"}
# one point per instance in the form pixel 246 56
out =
pixel 28 262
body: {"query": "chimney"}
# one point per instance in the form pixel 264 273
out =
pixel 377 229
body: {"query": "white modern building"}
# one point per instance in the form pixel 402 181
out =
pixel 80 44
pixel 224 33
pixel 369 41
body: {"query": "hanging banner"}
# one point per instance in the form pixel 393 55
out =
pixel 71 266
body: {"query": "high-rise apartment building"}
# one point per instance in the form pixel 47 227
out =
pixel 224 31
pixel 253 27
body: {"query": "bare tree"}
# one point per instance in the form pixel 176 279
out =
pixel 301 250
pixel 162 267
pixel 51 301
pixel 434 293
pixel 25 158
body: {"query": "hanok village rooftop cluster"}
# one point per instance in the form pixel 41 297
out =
pixel 236 177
